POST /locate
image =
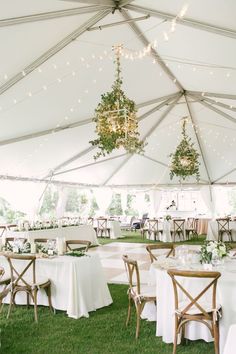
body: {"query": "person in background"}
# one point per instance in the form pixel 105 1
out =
pixel 137 225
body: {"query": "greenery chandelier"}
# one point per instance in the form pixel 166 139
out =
pixel 115 118
pixel 184 161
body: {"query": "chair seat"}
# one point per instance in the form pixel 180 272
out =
pixel 145 291
pixel 194 310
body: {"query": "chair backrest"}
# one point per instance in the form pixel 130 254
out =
pixel 132 271
pixel 44 240
pixel 223 224
pixel 168 247
pixel 179 225
pixel 152 225
pixel 194 300
pixel 9 241
pixel 18 277
pixel 84 245
pixel 191 223
pixel 102 223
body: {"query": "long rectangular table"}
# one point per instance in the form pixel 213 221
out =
pixel 78 283
pixel 81 232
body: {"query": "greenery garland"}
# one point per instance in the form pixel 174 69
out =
pixel 115 118
pixel 184 161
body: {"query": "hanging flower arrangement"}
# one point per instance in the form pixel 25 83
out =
pixel 116 120
pixel 184 161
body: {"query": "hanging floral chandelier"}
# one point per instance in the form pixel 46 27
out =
pixel 184 161
pixel 116 119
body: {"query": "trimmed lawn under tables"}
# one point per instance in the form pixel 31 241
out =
pixel 102 333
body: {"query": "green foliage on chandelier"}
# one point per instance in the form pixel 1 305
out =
pixel 184 161
pixel 116 120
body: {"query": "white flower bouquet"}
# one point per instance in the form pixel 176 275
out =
pixel 212 250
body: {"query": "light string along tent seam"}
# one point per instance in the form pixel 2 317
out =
pixel 146 50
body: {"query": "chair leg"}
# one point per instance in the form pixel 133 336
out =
pixel 48 292
pixel 176 335
pixel 138 313
pixel 10 305
pixel 129 312
pixel 216 336
pixel 27 298
pixel 35 305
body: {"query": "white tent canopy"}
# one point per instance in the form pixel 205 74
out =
pixel 54 69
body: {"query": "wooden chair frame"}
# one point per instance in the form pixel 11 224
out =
pixel 144 228
pixel 169 247
pixel 102 227
pixel 153 228
pixel 178 228
pixel 182 316
pixel 6 282
pixel 85 243
pixel 223 228
pixel 20 283
pixel 132 269
pixel 12 239
pixel 191 228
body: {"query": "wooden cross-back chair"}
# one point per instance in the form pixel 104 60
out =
pixel 10 240
pixel 26 281
pixel 178 229
pixel 168 247
pixel 153 228
pixel 139 295
pixel 195 307
pixel 191 228
pixel 84 245
pixel 144 228
pixel 223 229
pixel 4 281
pixel 102 228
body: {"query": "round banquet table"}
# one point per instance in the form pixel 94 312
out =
pixel 226 294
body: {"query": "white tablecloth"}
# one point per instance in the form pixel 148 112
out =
pixel 226 295
pixel 78 284
pixel 81 232
pixel 212 231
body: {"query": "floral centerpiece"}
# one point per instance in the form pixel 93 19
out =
pixel 168 217
pixel 212 250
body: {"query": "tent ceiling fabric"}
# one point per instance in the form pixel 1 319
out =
pixel 46 113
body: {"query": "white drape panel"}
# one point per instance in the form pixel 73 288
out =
pixel 103 199
pixel 140 204
pixel 123 197
pixel 207 194
pixel 23 196
pixel 62 199
pixel 155 199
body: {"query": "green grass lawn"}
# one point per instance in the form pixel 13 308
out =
pixel 102 333
pixel 134 237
